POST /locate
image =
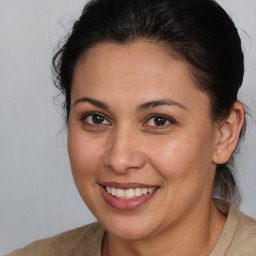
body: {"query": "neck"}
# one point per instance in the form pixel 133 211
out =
pixel 194 236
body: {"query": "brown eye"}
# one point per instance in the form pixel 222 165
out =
pixel 159 120
pixel 95 119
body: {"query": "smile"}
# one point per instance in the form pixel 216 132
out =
pixel 129 193
pixel 127 196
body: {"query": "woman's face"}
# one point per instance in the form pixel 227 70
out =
pixel 140 139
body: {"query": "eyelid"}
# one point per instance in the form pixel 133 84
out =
pixel 168 118
pixel 91 114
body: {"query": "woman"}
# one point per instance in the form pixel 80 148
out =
pixel 153 119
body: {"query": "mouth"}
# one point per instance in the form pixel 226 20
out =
pixel 127 196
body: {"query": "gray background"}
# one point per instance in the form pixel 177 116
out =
pixel 37 194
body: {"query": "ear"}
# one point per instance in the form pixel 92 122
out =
pixel 228 134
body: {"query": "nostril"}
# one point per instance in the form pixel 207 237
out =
pixel 124 151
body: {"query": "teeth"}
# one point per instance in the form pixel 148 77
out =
pixel 144 191
pixel 119 193
pixel 129 193
pixel 113 191
pixel 138 192
pixel 150 190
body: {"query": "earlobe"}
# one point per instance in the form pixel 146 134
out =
pixel 229 131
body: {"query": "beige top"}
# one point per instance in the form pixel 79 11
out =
pixel 238 238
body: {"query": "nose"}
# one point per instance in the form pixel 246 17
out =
pixel 124 152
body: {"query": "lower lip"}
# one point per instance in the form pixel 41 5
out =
pixel 126 204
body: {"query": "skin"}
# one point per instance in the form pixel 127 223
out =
pixel 178 157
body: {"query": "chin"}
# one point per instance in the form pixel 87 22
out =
pixel 130 228
pixel 127 233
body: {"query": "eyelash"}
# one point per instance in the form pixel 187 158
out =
pixel 162 116
pixel 94 114
pixel 145 124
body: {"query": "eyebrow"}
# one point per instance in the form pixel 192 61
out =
pixel 142 107
pixel 96 103
pixel 156 103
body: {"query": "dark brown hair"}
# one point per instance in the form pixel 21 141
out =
pixel 197 31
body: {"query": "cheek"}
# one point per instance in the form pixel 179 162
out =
pixel 84 157
pixel 182 158
pixel 84 154
pixel 171 155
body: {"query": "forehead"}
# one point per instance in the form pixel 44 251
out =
pixel 138 70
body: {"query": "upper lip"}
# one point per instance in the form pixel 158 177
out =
pixel 126 185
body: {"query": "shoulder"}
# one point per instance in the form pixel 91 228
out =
pixel 238 237
pixel 79 240
pixel 245 236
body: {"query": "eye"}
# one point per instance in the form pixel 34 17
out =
pixel 159 120
pixel 95 119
